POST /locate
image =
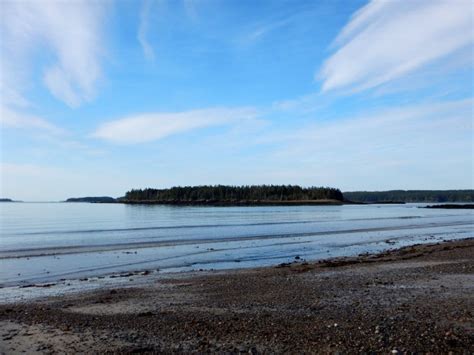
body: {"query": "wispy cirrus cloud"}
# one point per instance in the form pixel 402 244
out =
pixel 154 126
pixel 144 28
pixel 386 40
pixel 264 29
pixel 71 31
pixel 14 119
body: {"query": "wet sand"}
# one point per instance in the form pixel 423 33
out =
pixel 416 299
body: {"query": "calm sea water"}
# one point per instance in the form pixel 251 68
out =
pixel 46 242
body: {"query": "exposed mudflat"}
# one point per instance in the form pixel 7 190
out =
pixel 416 299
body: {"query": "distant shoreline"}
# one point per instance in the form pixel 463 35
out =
pixel 8 200
pixel 238 203
pixel 452 206
pixel 259 203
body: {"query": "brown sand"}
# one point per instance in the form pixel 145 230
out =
pixel 417 299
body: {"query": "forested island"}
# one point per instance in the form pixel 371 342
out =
pixel 236 195
pixel 410 196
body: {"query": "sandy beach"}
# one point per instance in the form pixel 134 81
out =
pixel 416 298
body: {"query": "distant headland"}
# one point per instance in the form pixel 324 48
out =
pixel 100 199
pixel 8 200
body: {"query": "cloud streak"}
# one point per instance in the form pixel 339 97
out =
pixel 263 30
pixel 386 40
pixel 143 30
pixel 14 119
pixel 154 126
pixel 71 31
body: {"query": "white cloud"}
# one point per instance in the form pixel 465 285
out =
pixel 305 104
pixel 143 30
pixel 154 126
pixel 71 31
pixel 264 29
pixel 14 119
pixel 385 40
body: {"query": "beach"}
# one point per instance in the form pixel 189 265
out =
pixel 413 299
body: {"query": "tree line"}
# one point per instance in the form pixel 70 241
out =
pixel 223 193
pixel 411 196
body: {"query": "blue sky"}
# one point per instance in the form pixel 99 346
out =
pixel 98 97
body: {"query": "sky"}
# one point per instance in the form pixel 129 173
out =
pixel 99 97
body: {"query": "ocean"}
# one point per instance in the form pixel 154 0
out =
pixel 54 242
